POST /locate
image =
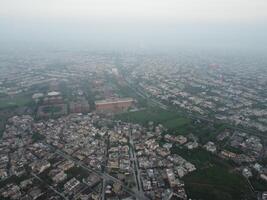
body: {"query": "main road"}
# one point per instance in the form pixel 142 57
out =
pixel 191 116
pixel 136 167
pixel 103 175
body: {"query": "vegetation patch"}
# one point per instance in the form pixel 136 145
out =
pixel 15 101
pixel 170 120
pixel 214 178
pixel 51 109
pixel 217 183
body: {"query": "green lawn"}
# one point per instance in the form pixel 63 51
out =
pixel 16 101
pixel 77 172
pixel 214 178
pixel 2 125
pixel 199 157
pixel 9 104
pixel 37 137
pixel 170 120
pixel 178 124
pixel 217 183
pixel 52 109
pixel 258 184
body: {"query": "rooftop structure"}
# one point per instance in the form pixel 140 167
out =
pixel 53 93
pixel 114 105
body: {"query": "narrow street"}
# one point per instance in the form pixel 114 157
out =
pixel 49 186
pixel 135 168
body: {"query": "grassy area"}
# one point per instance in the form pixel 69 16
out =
pixel 217 183
pixel 169 119
pixel 206 131
pixel 233 149
pixel 10 106
pixel 52 109
pixel 198 157
pixel 175 122
pixel 77 172
pixel 258 184
pixel 180 124
pixel 16 101
pixel 37 137
pixel 214 178
pixel 2 125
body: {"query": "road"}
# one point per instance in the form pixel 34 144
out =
pixel 49 186
pixel 136 167
pixel 104 170
pixel 191 116
pixel 103 175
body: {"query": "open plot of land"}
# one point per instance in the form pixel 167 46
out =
pixel 15 101
pixel 179 124
pixel 52 110
pixel 175 122
pixel 169 119
pixel 199 157
pixel 214 178
pixel 258 184
pixel 217 183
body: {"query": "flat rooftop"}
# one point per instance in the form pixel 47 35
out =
pixel 108 101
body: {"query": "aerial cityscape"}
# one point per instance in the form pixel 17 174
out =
pixel 133 100
pixel 131 127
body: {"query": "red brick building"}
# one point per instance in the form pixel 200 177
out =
pixel 114 105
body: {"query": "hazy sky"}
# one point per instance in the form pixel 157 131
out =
pixel 141 22
pixel 174 10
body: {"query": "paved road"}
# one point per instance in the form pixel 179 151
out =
pixel 50 187
pixel 192 116
pixel 103 175
pixel 136 167
pixel 104 170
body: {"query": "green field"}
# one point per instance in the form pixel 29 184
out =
pixel 214 178
pixel 37 137
pixel 198 157
pixel 16 101
pixel 170 120
pixel 9 104
pixel 258 184
pixel 52 109
pixel 176 123
pixel 2 125
pixel 77 172
pixel 217 183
